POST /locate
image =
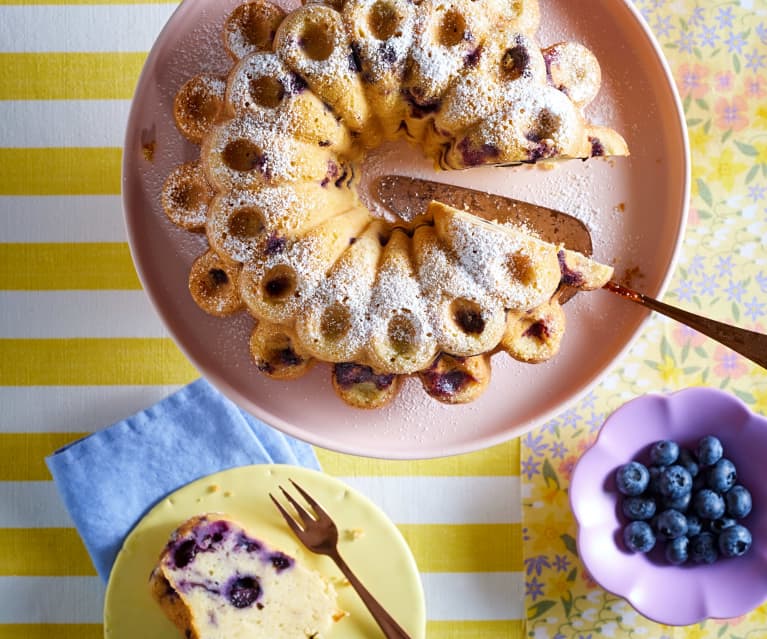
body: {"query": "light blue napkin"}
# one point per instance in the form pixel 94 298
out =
pixel 112 478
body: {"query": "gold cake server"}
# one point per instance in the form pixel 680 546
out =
pixel 408 197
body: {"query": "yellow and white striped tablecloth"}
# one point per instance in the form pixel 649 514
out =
pixel 81 347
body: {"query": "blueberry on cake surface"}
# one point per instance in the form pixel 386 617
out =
pixel 214 580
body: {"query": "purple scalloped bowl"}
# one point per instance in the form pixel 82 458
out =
pixel 674 595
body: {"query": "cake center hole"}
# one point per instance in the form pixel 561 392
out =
pixel 514 62
pixel 520 268
pixel 200 103
pixel 218 277
pixel 188 195
pixel 280 351
pixel 241 155
pixel 335 321
pixel 267 92
pixel 402 335
pixel 246 223
pixel 468 316
pixel 452 28
pixel 384 20
pixel 257 29
pixel 212 283
pixel 317 41
pixel 280 283
pixel 546 126
pixel 538 330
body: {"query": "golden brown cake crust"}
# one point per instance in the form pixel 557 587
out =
pixel 213 284
pixel 457 380
pixel 361 387
pixel 197 106
pixel 251 27
pixel 164 594
pixel 186 196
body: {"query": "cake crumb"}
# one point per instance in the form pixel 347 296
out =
pixel 352 534
pixel 147 149
pixel 227 493
pixel 213 488
pixel 630 276
pixel 620 207
pixel 149 143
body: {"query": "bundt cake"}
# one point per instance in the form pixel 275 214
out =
pixel 275 188
pixel 213 579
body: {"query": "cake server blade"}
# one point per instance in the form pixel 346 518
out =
pixel 409 197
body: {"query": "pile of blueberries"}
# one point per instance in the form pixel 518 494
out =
pixel 688 499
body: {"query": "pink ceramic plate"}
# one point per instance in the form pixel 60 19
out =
pixel 635 208
pixel 675 595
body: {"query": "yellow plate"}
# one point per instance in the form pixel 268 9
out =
pixel 369 541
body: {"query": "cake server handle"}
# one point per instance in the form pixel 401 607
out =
pixel 747 343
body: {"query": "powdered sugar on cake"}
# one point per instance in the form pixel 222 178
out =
pixel 283 159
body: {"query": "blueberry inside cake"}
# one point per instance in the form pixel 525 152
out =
pixel 216 581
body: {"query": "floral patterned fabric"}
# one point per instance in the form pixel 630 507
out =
pixel 718 54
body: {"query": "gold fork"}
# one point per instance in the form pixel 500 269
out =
pixel 320 535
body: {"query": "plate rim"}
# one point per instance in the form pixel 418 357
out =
pixel 439 450
pixel 397 539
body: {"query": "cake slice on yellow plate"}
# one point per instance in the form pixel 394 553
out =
pixel 214 580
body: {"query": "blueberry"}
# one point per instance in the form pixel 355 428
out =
pixel 653 487
pixel 674 482
pixel 639 537
pixel 734 541
pixel 639 507
pixel 708 504
pixel 280 561
pixel 213 534
pixel 247 543
pixel 676 550
pixel 185 553
pixel 710 450
pixel 738 501
pixel 722 476
pixel 688 461
pixel 702 548
pixel 687 499
pixel 244 591
pixel 671 524
pixel 664 453
pixel 718 525
pixel 680 503
pixel 694 526
pixel 632 479
pixel 446 384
